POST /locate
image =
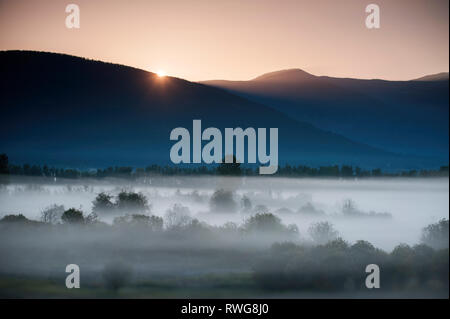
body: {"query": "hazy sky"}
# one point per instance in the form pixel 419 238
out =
pixel 239 39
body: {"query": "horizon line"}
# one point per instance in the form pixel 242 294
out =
pixel 230 80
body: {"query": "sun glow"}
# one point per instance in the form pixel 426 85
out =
pixel 161 73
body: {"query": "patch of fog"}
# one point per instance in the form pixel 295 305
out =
pixel 413 203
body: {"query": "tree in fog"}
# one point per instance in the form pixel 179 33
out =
pixel 246 204
pixel 14 219
pixel 132 202
pixel 322 232
pixel 309 209
pixel 92 219
pixel 178 216
pixel 436 235
pixel 267 223
pixel 261 209
pixel 222 201
pixel 52 214
pixel 102 204
pixel 154 223
pixel 349 208
pixel 72 216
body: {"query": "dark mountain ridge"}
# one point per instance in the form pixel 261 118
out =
pixel 409 117
pixel 64 110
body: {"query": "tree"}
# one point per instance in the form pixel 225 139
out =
pixel 92 219
pixel 132 202
pixel 346 171
pixel 267 223
pixel 4 164
pixel 232 169
pixel 102 204
pixel 246 204
pixel 377 172
pixel 436 235
pixel 309 209
pixel 349 208
pixel 14 219
pixel 52 214
pixel 155 223
pixel 72 216
pixel 222 201
pixel 322 232
pixel 177 217
pixel 261 209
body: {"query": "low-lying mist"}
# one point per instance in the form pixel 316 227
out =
pixel 166 231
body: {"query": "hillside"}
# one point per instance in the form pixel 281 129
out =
pixel 64 110
pixel 409 117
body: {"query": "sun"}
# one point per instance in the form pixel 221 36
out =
pixel 161 73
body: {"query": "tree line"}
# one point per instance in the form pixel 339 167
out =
pixel 230 169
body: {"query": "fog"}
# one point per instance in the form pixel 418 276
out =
pixel 384 212
pixel 413 203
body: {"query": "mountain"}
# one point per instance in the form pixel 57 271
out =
pixel 69 111
pixel 408 117
pixel 443 76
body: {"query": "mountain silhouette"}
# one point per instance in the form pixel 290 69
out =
pixel 287 76
pixel 443 76
pixel 408 117
pixel 70 111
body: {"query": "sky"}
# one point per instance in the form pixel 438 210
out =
pixel 239 39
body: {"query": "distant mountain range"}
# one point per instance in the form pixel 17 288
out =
pixel 408 117
pixel 443 76
pixel 69 111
